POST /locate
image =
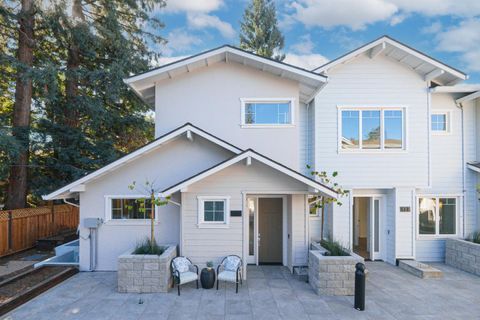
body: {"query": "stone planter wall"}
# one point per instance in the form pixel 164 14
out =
pixel 332 276
pixel 145 273
pixel 464 255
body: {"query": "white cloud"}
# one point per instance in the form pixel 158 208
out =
pixel 465 40
pixel 180 40
pixel 352 13
pixel 357 14
pixel 193 6
pixel 305 45
pixel 202 21
pixel 306 61
pixel 433 28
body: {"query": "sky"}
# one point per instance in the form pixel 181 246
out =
pixel 317 31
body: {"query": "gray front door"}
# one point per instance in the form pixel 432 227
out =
pixel 270 215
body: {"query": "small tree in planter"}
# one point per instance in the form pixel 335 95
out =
pixel 150 191
pixel 321 201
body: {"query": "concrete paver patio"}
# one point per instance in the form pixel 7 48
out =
pixel 270 293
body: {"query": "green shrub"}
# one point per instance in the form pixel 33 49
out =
pixel 475 237
pixel 146 247
pixel 334 247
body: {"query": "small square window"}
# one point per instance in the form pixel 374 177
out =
pixel 439 122
pixel 213 211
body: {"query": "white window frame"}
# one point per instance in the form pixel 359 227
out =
pixel 437 234
pixel 382 108
pixel 447 122
pixel 290 100
pixel 108 211
pixel 213 224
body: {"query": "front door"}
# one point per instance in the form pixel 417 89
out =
pixel 367 227
pixel 270 224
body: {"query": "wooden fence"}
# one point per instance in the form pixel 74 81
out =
pixel 21 228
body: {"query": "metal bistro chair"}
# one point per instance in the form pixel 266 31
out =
pixel 183 271
pixel 232 270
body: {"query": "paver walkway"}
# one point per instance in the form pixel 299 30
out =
pixel 271 293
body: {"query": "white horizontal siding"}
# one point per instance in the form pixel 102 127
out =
pixel 390 226
pixel 205 244
pixel 404 224
pixel 367 82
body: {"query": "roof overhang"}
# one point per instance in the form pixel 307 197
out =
pixel 461 88
pixel 187 130
pixel 248 155
pixel 144 84
pixel 475 166
pixel 429 68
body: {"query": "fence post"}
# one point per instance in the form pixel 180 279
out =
pixel 10 243
pixel 52 211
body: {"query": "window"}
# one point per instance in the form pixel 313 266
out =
pixel 213 210
pixel 437 216
pixel 259 112
pixel 372 129
pixel 123 209
pixel 440 123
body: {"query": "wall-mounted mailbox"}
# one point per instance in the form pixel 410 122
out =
pixel 405 209
pixel 235 213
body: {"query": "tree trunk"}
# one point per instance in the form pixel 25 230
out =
pixel 17 186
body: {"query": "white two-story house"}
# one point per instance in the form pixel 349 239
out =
pixel 234 133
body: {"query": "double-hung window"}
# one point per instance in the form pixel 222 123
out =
pixel 437 216
pixel 267 112
pixel 129 208
pixel 213 211
pixel 372 129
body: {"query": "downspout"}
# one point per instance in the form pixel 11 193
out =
pixel 71 203
pixel 460 106
pixel 429 171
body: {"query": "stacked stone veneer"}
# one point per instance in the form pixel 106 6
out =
pixel 145 273
pixel 464 255
pixel 331 275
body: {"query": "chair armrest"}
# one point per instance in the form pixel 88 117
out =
pixel 218 268
pixel 176 275
pixel 196 267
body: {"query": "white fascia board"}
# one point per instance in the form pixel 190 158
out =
pixel 398 45
pixel 131 156
pixel 250 154
pixel 469 97
pixel 472 167
pixel 463 88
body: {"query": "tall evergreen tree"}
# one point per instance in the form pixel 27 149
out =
pixel 259 30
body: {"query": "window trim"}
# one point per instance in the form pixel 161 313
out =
pixel 108 211
pixel 448 123
pixel 380 108
pixel 437 235
pixel 244 101
pixel 213 224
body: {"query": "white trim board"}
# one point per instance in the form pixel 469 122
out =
pixel 66 191
pixel 316 186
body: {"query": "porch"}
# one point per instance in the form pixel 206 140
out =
pixel 271 292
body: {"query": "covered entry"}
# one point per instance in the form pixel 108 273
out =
pixel 367 227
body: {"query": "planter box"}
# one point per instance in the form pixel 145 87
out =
pixel 139 273
pixel 464 255
pixel 332 275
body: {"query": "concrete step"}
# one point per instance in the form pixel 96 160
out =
pixel 419 269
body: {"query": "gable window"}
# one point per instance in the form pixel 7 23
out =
pixel 130 209
pixel 213 211
pixel 437 216
pixel 270 112
pixel 372 129
pixel 439 123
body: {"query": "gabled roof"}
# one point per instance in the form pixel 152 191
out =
pixel 187 129
pixel 143 84
pixel 428 67
pixel 249 153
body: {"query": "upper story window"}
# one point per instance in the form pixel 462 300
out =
pixel 437 216
pixel 130 208
pixel 372 129
pixel 440 123
pixel 267 112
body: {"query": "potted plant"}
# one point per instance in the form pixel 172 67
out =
pixel 207 276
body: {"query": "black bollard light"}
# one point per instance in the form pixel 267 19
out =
pixel 360 286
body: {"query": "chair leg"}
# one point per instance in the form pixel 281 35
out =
pixel 197 283
pixel 236 287
pixel 178 288
pixel 217 283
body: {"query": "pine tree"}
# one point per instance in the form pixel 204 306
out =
pixel 259 30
